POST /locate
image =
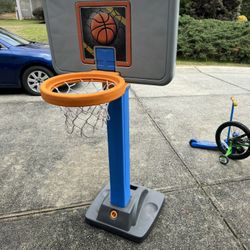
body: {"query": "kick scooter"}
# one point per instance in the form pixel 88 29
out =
pixel 232 139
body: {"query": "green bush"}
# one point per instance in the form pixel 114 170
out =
pixel 185 7
pixel 215 40
pixel 216 9
pixel 245 9
pixel 38 13
pixel 7 6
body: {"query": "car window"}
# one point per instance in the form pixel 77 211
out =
pixel 2 46
pixel 12 39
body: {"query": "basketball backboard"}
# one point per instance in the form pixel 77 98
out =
pixel 143 33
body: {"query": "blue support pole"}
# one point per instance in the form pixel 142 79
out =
pixel 119 148
pixel 118 135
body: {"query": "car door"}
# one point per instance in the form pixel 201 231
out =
pixel 8 70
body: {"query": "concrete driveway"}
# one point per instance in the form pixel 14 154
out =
pixel 48 178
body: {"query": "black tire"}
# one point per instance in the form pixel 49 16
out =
pixel 237 155
pixel 223 160
pixel 31 75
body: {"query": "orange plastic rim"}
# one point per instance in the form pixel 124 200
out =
pixel 81 100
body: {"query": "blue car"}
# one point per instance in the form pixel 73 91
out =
pixel 23 63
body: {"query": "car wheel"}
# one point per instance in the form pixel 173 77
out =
pixel 33 77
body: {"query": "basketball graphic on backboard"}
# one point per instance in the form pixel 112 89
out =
pixel 104 23
pixel 103 28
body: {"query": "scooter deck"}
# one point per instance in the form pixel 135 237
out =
pixel 203 144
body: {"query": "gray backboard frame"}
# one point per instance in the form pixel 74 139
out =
pixel 154 26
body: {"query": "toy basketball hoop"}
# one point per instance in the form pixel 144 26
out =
pixel 140 44
pixel 84 98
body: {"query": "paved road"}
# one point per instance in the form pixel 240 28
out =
pixel 48 178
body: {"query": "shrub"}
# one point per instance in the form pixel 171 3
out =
pixel 214 40
pixel 185 7
pixel 245 8
pixel 216 9
pixel 38 13
pixel 7 6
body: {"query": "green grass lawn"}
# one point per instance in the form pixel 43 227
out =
pixel 30 29
pixel 36 31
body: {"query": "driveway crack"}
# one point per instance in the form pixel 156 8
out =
pixel 222 80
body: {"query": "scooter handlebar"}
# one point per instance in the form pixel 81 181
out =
pixel 235 103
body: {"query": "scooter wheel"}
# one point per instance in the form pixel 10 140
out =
pixel 223 159
pixel 243 135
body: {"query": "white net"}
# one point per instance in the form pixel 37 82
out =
pixel 84 121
